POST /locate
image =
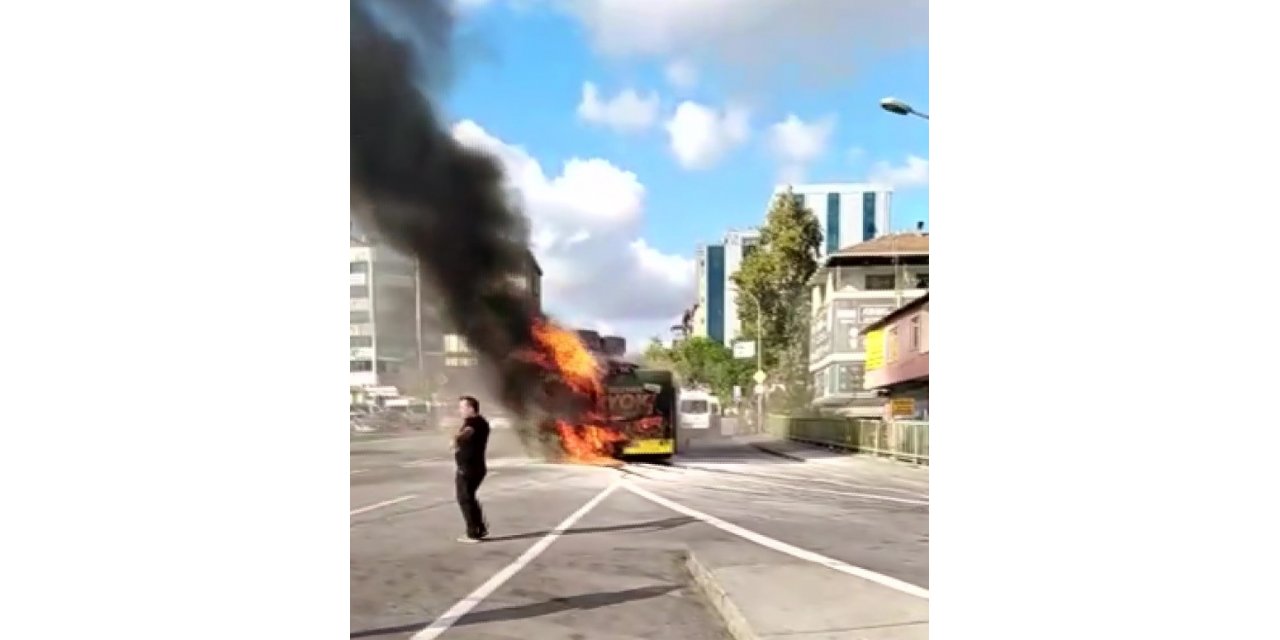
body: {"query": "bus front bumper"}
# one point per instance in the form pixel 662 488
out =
pixel 650 446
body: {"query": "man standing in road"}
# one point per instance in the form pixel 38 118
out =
pixel 469 448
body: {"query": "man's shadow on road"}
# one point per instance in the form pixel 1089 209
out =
pixel 554 605
pixel 652 525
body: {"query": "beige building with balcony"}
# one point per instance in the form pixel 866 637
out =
pixel 854 288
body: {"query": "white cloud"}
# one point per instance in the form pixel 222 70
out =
pixel 470 5
pixel 597 270
pixel 627 112
pixel 914 172
pixel 754 35
pixel 682 74
pixel 701 135
pixel 797 143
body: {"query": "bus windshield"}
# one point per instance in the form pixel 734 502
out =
pixel 693 406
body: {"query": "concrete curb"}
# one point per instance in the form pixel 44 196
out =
pixel 734 621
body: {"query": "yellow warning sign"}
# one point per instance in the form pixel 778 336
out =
pixel 875 349
pixel 899 407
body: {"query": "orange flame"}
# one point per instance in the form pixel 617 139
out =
pixel 569 357
pixel 589 442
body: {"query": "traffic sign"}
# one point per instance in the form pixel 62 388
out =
pixel 744 349
pixel 760 377
pixel 759 389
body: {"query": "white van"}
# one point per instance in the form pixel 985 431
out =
pixel 699 413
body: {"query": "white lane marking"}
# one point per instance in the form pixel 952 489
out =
pixel 465 605
pixel 384 503
pixel 745 479
pixel 737 469
pixel 396 439
pixel 849 494
pixel 780 546
pixel 846 494
pixel 895 470
pixel 355 471
pixel 442 461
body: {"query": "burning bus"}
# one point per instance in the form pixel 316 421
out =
pixel 623 411
pixel 641 406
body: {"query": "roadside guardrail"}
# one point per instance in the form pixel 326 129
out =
pixel 905 440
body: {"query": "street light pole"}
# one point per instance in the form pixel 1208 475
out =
pixel 759 361
pixel 896 106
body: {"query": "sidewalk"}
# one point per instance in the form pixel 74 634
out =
pixel 765 595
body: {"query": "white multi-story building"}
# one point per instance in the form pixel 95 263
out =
pixel 737 246
pixel 384 317
pixel 848 213
pixel 716 316
pixel 398 332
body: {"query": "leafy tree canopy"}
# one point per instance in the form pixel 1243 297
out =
pixel 776 275
pixel 701 362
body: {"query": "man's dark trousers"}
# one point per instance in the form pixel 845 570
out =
pixel 467 482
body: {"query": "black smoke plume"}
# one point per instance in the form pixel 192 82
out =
pixel 432 198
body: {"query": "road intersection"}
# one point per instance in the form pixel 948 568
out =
pixel 590 552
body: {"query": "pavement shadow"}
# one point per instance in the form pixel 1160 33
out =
pixel 717 450
pixel 652 525
pixel 555 605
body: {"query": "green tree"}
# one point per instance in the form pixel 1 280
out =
pixel 774 279
pixel 658 356
pixel 702 362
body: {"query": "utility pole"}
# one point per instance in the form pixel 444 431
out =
pixel 759 361
pixel 417 311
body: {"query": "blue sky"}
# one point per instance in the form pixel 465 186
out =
pixel 617 234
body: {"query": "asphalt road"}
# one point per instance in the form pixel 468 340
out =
pixel 615 572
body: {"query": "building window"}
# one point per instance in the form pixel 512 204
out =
pixel 397 267
pixel 879 282
pixel 454 343
pixel 359 267
pixel 868 215
pixel 359 291
pixel 361 341
pixel 833 222
pixel 360 317
pixel 715 293
pixel 848 379
pixel 913 337
pixel 922 281
pixel 361 366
